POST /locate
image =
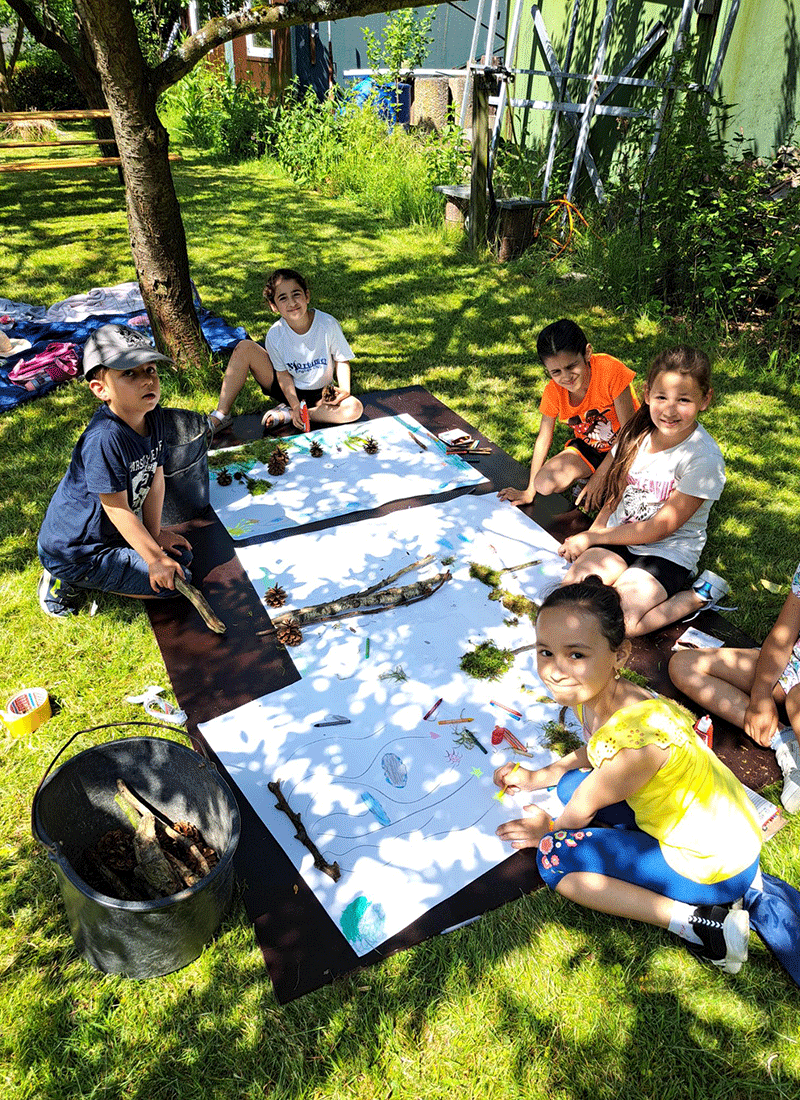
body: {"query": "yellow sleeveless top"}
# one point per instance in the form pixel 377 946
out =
pixel 694 806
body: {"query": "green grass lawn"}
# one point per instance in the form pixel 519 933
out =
pixel 539 999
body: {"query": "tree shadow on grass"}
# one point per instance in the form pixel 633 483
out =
pixel 539 999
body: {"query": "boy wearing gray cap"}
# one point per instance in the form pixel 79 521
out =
pixel 102 529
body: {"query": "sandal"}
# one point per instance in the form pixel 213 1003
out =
pixel 277 417
pixel 219 421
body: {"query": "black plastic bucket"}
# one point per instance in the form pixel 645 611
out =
pixel 187 436
pixel 75 806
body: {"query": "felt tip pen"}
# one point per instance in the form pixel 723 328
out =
pixel 305 416
pixel 366 648
pixel 507 784
pixel 508 710
pixel 433 709
pixel 477 742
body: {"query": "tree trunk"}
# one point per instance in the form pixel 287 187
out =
pixel 7 100
pixel 156 230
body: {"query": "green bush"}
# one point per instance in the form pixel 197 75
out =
pixel 696 230
pixel 234 122
pixel 341 148
pixel 42 82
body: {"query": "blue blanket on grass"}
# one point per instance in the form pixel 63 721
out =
pixel 219 335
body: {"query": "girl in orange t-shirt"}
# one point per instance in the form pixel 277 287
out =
pixel 592 394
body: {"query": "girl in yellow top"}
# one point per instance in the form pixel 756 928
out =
pixel 686 843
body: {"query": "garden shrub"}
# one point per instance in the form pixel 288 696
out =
pixel 232 121
pixel 697 229
pixel 42 82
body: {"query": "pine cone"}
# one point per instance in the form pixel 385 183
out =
pixel 329 392
pixel 276 596
pixel 224 477
pixel 278 461
pixel 289 632
pixel 371 446
pixel 238 476
pixel 315 450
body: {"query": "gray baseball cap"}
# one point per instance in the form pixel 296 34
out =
pixel 118 347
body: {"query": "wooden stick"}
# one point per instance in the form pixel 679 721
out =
pixel 330 869
pixel 207 614
pixel 365 603
pixel 173 834
pixel 407 569
pixel 151 859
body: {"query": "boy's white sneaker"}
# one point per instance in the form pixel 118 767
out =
pixel 787 754
pixel 712 588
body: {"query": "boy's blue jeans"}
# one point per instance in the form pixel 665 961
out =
pixel 115 569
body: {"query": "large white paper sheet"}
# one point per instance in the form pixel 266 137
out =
pixel 344 480
pixel 405 806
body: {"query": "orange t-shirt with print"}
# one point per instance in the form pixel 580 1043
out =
pixel 595 420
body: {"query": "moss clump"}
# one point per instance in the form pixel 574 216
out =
pixel 634 677
pixel 484 574
pixel 519 605
pixel 487 662
pixel 256 486
pixel 559 739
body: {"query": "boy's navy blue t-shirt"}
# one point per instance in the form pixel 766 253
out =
pixel 110 457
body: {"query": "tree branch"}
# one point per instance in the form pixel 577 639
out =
pixel 46 32
pixel 262 16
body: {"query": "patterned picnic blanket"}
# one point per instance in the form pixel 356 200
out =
pixel 75 319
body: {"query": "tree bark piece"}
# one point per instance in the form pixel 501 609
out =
pixel 173 834
pixel 330 869
pixel 204 608
pixel 368 602
pixel 153 863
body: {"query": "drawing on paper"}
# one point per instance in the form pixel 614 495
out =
pixel 347 479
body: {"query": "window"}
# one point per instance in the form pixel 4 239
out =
pixel 259 44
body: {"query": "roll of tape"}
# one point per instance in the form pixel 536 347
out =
pixel 25 711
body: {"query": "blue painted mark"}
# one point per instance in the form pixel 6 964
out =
pixel 374 805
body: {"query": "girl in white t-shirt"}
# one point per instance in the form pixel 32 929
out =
pixel 305 354
pixel 663 475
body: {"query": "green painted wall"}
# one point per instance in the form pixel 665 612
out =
pixel 759 80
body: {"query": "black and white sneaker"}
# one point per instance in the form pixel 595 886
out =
pixel 58 599
pixel 725 934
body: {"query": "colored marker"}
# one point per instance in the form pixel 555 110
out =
pixel 509 710
pixel 433 709
pixel 477 742
pixel 500 794
pixel 305 416
pixel 366 648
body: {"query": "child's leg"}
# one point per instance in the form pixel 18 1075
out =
pixel 120 570
pixel 671 610
pixel 345 412
pixel 793 709
pixel 560 472
pixel 598 560
pixel 718 679
pixel 247 356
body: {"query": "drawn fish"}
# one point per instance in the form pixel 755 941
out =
pixel 375 807
pixel 394 769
